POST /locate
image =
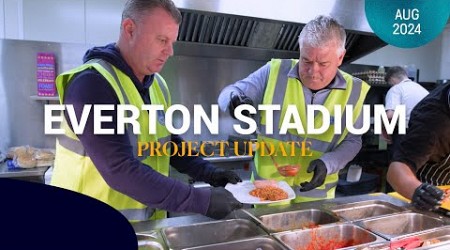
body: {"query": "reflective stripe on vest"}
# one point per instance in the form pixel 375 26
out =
pixel 73 168
pixel 283 90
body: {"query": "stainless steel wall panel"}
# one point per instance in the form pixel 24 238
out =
pixel 22 119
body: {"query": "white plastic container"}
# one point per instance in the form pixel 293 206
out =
pixel 354 173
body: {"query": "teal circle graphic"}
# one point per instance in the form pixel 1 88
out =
pixel 407 23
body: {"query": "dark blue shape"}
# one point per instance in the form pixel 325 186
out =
pixel 39 216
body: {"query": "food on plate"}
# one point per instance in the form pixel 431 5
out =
pixel 270 193
pixel 265 183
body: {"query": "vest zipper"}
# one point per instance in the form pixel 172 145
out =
pixel 312 97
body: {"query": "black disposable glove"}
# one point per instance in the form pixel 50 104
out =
pixel 427 197
pixel 221 203
pixel 220 178
pixel 320 172
pixel 236 100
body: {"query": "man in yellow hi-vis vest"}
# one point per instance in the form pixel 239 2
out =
pixel 108 166
pixel 312 79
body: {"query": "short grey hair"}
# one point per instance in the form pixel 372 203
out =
pixel 322 31
pixel 135 9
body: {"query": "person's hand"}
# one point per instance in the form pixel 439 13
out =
pixel 221 203
pixel 386 136
pixel 320 172
pixel 239 99
pixel 427 197
pixel 220 178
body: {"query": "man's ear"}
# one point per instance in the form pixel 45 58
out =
pixel 128 27
pixel 341 57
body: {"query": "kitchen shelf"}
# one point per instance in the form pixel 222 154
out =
pixel 44 98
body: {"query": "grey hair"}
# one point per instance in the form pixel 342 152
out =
pixel 395 72
pixel 322 31
pixel 135 9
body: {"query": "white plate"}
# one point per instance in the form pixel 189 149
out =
pixel 241 191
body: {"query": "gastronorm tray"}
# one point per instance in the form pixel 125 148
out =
pixel 335 236
pixel 438 237
pixel 366 209
pixel 210 232
pixel 151 240
pixel 263 242
pixel 396 225
pixel 300 219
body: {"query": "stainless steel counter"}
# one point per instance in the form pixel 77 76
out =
pixel 32 174
pixel 323 204
pixel 375 220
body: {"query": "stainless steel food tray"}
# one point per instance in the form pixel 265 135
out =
pixel 300 219
pixel 396 225
pixel 328 237
pixel 206 233
pixel 151 240
pixel 366 209
pixel 260 243
pixel 434 238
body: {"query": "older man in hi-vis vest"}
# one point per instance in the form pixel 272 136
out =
pixel 314 78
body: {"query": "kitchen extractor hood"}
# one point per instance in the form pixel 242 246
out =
pixel 263 29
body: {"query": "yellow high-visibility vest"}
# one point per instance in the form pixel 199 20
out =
pixel 74 170
pixel 285 91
